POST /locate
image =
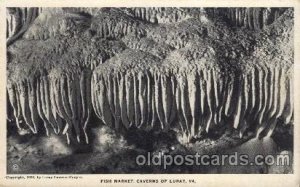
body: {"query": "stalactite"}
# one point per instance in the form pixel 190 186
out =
pixel 251 18
pixel 175 77
pixel 14 101
pixel 18 22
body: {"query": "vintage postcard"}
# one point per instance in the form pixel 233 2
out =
pixel 133 93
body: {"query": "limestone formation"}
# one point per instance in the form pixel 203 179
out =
pixel 191 70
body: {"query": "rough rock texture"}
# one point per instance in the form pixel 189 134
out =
pixel 170 69
pixel 251 18
pixel 18 21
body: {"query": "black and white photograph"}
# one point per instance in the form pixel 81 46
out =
pixel 149 90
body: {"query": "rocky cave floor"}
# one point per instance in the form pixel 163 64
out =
pixel 115 153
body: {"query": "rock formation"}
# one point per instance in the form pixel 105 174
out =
pixel 183 69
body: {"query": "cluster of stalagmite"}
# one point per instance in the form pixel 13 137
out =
pixel 132 72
